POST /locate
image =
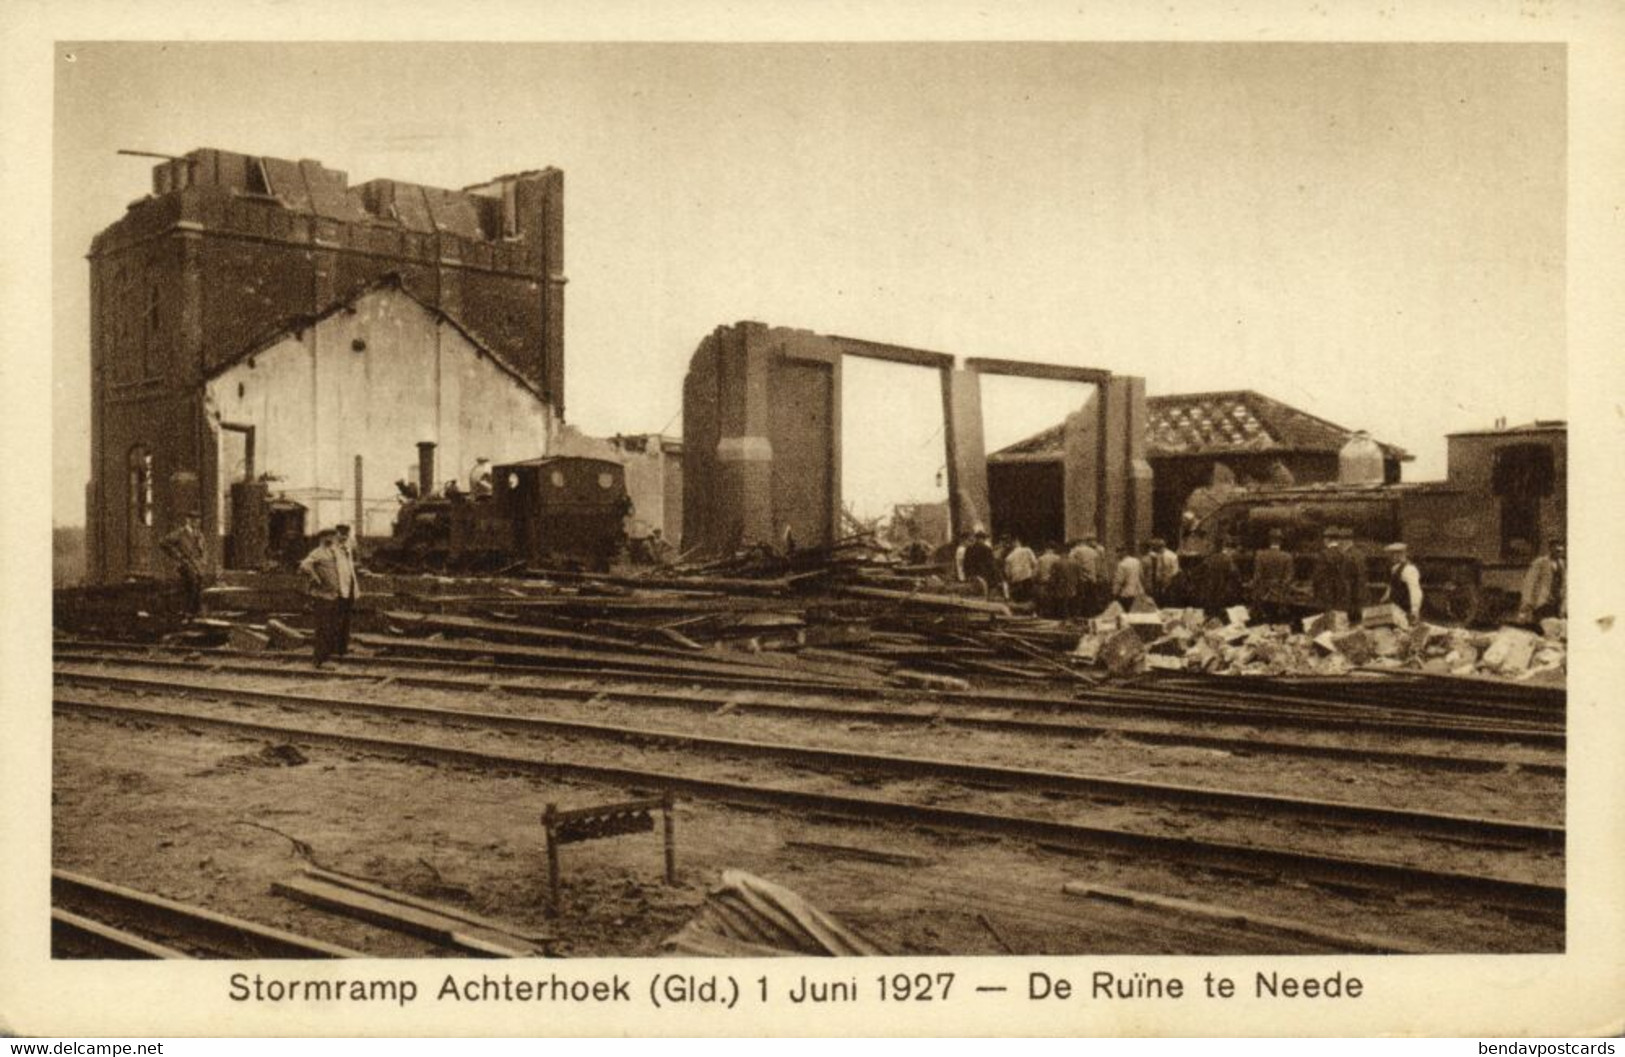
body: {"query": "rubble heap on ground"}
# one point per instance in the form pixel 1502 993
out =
pixel 1149 639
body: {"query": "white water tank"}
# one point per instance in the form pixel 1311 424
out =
pixel 1360 461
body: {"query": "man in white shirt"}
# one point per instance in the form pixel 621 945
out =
pixel 333 590
pixel 1020 566
pixel 1126 582
pixel 1404 582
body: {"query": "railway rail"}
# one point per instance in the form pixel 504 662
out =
pixel 100 919
pixel 1461 827
pixel 1064 728
pixel 1536 898
pixel 1104 703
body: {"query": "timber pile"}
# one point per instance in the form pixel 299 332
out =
pixel 847 615
pixel 1149 639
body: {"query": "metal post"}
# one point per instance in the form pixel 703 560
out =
pixel 552 860
pixel 666 805
pixel 356 527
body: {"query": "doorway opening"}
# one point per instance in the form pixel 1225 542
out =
pixel 894 472
pixel 1028 426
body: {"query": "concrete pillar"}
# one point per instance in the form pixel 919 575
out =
pixel 967 454
pixel 742 499
pixel 1126 502
pixel 1116 532
pixel 1080 469
pixel 1139 468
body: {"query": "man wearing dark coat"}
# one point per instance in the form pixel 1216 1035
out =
pixel 1218 582
pixel 185 546
pixel 1272 581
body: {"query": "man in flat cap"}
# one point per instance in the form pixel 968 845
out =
pixel 185 545
pixel 1272 580
pixel 1404 582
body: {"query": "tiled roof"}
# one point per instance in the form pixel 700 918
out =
pixel 1240 421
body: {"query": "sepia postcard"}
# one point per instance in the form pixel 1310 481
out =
pixel 914 521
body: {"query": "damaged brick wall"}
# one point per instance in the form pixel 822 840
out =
pixel 230 249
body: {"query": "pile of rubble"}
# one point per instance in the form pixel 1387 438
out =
pixel 1146 638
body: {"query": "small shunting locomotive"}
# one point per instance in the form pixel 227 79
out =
pixel 549 512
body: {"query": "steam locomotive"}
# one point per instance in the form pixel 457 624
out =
pixel 1471 535
pixel 550 512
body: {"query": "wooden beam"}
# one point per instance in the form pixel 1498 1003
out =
pixel 973 605
pixel 444 910
pixel 437 928
pixel 1054 372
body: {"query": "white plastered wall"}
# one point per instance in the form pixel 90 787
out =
pixel 316 401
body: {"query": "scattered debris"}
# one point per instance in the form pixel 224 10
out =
pixel 752 917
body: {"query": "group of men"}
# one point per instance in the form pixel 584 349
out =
pixel 1072 580
pixel 330 570
pixel 1065 580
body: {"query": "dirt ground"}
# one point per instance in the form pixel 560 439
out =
pixel 206 818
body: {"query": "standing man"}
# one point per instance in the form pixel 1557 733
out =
pixel 332 588
pixel 185 546
pixel 1127 581
pixel 1049 567
pixel 1218 581
pixel 479 477
pixel 1020 567
pixel 1161 566
pixel 1356 591
pixel 1545 586
pixel 959 555
pixel 1404 583
pixel 1086 561
pixel 347 553
pixel 1068 581
pixel 1328 581
pixel 1272 580
pixel 659 550
pixel 979 564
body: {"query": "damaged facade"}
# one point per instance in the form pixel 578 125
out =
pixel 236 260
pixel 761 414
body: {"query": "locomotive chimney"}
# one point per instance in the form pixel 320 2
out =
pixel 425 467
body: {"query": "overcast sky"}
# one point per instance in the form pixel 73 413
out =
pixel 1373 233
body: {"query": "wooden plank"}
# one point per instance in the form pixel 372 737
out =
pixel 1242 919
pixel 630 665
pixel 443 909
pixel 401 917
pixel 918 598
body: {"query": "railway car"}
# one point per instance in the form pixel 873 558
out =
pixel 1471 535
pixel 550 512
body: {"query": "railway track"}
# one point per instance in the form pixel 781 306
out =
pixel 1126 702
pixel 801 709
pixel 1531 897
pixel 96 918
pixel 1460 827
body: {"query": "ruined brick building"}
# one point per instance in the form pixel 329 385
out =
pixel 260 316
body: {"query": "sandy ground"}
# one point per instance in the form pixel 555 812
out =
pixel 183 813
